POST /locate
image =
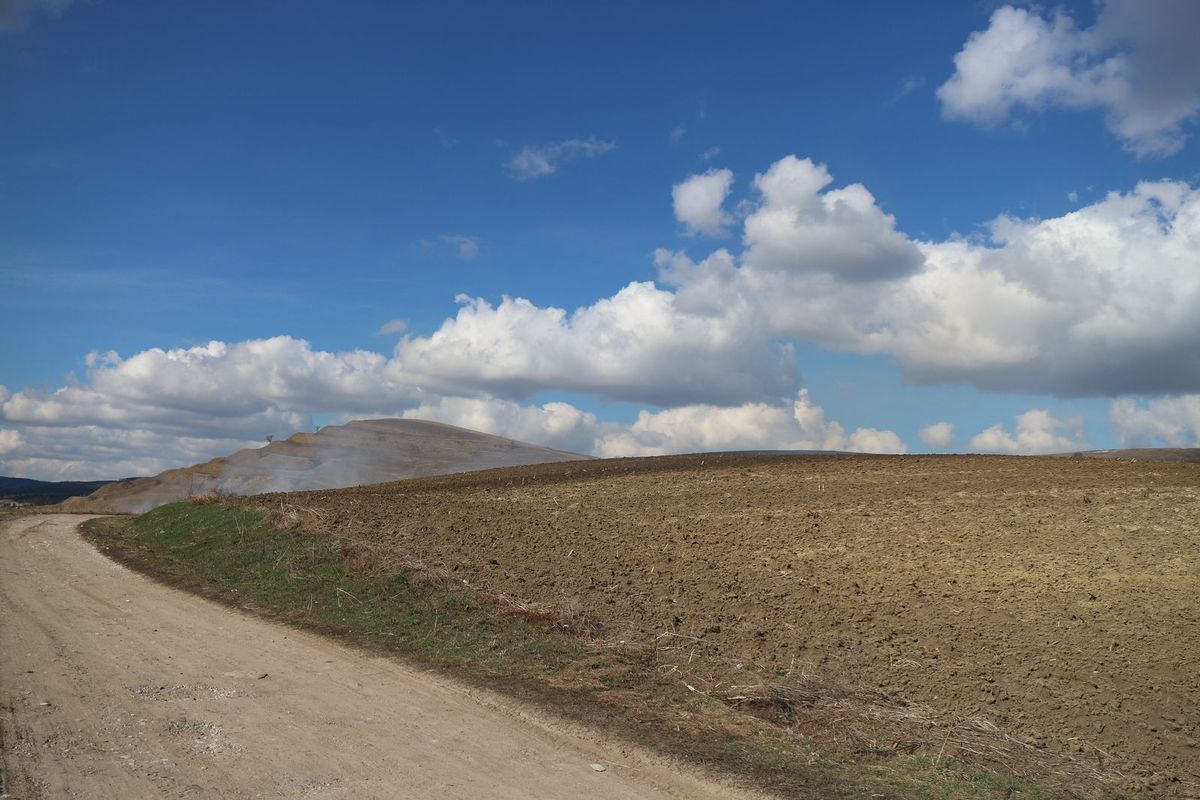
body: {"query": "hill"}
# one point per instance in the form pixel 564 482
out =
pixel 1050 597
pixel 358 453
pixel 35 493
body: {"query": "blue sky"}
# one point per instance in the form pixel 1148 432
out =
pixel 171 175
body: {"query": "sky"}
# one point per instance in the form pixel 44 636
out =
pixel 618 229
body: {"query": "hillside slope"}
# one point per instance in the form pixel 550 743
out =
pixel 362 452
pixel 1056 598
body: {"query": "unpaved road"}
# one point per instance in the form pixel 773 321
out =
pixel 112 685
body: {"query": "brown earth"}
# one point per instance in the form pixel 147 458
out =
pixel 114 686
pixel 1058 598
pixel 361 452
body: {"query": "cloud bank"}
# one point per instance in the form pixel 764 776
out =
pixel 164 408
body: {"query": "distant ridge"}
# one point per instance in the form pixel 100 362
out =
pixel 338 456
pixel 1189 454
pixel 32 492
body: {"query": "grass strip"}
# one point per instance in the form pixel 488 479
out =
pixel 234 556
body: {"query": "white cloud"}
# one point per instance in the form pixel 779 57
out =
pixel 1038 432
pixel 710 153
pixel 244 390
pixel 840 232
pixel 537 161
pixel 1104 300
pixel 638 345
pixel 9 440
pixel 392 327
pixel 939 435
pixel 97 452
pixel 800 425
pixel 467 247
pixel 699 201
pixel 558 425
pixel 1169 421
pixel 1099 301
pixel 15 15
pixel 165 408
pixel 676 134
pixel 792 425
pixel 1139 63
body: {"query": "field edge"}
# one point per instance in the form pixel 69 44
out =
pixel 235 557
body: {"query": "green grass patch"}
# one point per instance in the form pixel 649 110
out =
pixel 234 556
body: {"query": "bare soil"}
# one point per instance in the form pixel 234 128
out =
pixel 1058 598
pixel 115 686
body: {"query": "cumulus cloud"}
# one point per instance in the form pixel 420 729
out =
pixel 1100 301
pixel 1104 300
pixel 1138 63
pixel 244 390
pixel 558 425
pixel 801 227
pixel 1038 432
pixel 164 408
pixel 699 202
pixel 639 345
pixel 1169 421
pixel 939 435
pixel 538 161
pixel 15 15
pixel 96 452
pixel 800 425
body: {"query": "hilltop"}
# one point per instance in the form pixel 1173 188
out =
pixel 357 453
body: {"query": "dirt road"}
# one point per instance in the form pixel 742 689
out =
pixel 114 686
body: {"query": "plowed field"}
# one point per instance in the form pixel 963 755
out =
pixel 1058 598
